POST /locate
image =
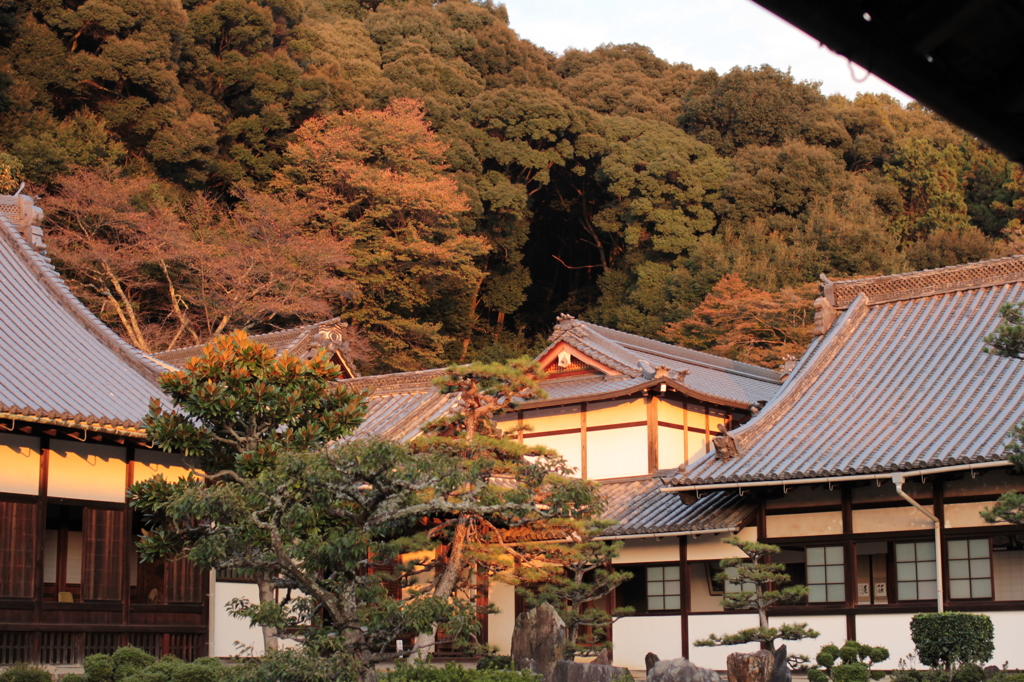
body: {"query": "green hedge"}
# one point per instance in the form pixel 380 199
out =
pixel 452 672
pixel 22 672
pixel 952 639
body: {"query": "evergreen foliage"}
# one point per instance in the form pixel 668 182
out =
pixel 767 580
pixel 851 663
pixel 1008 341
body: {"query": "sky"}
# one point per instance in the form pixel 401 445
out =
pixel 717 34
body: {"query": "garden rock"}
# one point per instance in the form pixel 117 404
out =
pixel 756 667
pixel 781 671
pixel 538 640
pixel 570 671
pixel 681 670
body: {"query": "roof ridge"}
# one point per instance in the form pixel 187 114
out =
pixel 909 285
pixel 688 354
pixel 297 331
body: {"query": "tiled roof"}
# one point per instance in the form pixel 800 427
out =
pixel 58 363
pixel 896 385
pixel 708 376
pixel 641 509
pixel 302 342
pixel 399 405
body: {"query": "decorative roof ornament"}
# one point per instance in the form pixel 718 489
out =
pixel 824 316
pixel 564 359
pixel 21 210
pixel 726 446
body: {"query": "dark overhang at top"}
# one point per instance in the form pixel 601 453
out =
pixel 960 58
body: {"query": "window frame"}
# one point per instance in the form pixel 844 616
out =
pixel 825 565
pixel 640 573
pixel 895 581
pixel 969 561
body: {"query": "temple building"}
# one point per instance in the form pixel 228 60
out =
pixel 867 463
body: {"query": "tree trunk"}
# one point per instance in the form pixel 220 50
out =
pixel 446 581
pixel 267 596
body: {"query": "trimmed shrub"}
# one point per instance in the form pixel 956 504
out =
pixel 128 661
pixel 99 668
pixel 22 672
pixel 494 662
pixel 851 663
pixel 452 672
pixel 952 639
pixel 73 677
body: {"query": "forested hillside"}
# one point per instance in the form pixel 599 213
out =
pixel 448 188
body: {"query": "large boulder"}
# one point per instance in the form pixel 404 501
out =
pixel 681 670
pixel 538 640
pixel 755 667
pixel 570 671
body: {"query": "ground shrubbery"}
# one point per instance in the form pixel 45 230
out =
pixel 453 672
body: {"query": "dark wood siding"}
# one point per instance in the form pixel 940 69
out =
pixel 102 554
pixel 17 549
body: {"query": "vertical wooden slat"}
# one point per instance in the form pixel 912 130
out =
pixel 102 554
pixel 183 581
pixel 17 549
pixel 685 588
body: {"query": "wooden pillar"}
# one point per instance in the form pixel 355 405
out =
pixel 44 471
pixel 849 563
pixel 652 433
pixel 583 440
pixel 126 541
pixel 684 588
pixel 939 509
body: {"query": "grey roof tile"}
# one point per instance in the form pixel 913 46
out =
pixel 639 508
pixel 898 385
pixel 60 363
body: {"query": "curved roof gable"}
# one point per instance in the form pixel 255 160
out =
pixel 60 364
pixel 900 382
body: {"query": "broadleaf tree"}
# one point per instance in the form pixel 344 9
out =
pixel 235 409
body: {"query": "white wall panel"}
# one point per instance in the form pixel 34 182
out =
pixel 714 656
pixel 634 636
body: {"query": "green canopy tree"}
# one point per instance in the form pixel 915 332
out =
pixel 236 408
pixel 1008 341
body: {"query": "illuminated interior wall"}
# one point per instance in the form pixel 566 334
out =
pixel 19 463
pixel 87 471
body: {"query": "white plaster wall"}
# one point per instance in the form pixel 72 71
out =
pixel 797 525
pixel 886 519
pixel 891 630
pixel 832 630
pixel 1008 625
pixel 568 445
pixel 607 412
pixel 19 464
pixel 552 418
pixel 714 656
pixel 671 447
pixel 967 515
pixel 226 629
pixel 86 471
pixel 648 551
pixel 501 624
pixel 634 636
pixel 711 547
pixel 614 453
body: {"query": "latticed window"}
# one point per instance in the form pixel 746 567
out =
pixel 970 569
pixel 663 588
pixel 915 570
pixel 825 575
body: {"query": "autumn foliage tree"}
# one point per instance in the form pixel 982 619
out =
pixel 743 323
pixel 379 180
pixel 169 268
